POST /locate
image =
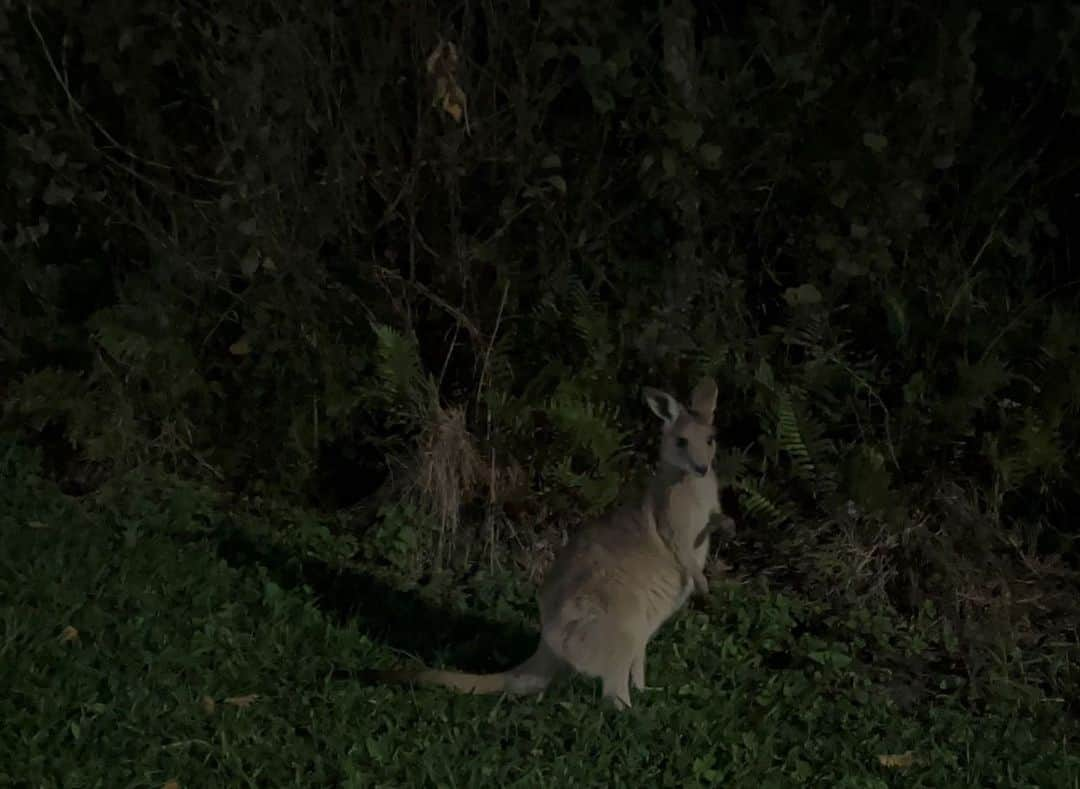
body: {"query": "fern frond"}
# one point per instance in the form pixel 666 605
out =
pixel 588 425
pixel 756 504
pixel 790 436
pixel 400 381
pixel 812 333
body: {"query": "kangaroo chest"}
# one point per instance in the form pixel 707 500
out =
pixel 690 504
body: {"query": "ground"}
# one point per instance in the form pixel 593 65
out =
pixel 136 651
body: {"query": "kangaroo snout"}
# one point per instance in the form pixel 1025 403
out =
pixel 701 470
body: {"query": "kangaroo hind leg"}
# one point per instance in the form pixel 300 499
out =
pixel 605 651
pixel 616 684
pixel 637 671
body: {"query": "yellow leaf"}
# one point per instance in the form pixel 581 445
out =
pixel 172 783
pixel 69 635
pixel 875 142
pixel 897 760
pixel 242 702
pixel 442 65
pixel 453 101
pixel 249 264
pixel 38 525
pixel 241 347
pixel 208 705
pixel 443 59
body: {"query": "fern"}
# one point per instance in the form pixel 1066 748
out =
pixel 582 455
pixel 812 454
pixel 398 360
pixel 587 425
pixel 401 386
pixel 1034 451
pixel 757 505
pixel 791 438
pixel 812 331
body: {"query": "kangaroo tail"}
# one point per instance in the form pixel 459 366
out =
pixel 531 676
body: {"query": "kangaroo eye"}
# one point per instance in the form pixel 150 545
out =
pixel 710 441
pixel 681 442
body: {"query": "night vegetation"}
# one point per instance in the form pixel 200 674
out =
pixel 323 323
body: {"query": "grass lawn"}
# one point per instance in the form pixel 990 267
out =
pixel 133 655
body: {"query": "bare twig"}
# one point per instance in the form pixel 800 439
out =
pixel 491 341
pixel 970 270
pixel 74 103
pixel 449 353
pixel 436 299
pixel 492 477
pixel 1021 313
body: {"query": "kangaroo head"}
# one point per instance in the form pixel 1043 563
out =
pixel 687 442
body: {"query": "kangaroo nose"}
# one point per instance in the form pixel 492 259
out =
pixel 701 470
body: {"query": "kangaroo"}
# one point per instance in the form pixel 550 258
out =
pixel 679 544
pixel 620 578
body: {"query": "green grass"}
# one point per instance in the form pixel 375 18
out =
pixel 753 691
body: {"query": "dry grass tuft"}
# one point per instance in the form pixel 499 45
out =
pixel 449 471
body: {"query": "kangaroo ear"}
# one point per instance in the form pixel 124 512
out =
pixel 662 404
pixel 703 400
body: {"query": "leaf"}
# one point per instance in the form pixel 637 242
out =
pixel 790 435
pixel 208 705
pixel 897 315
pixel 242 702
pixel 875 142
pixel 450 97
pixel 172 783
pixel 57 195
pixel 897 760
pixel 687 133
pixel 69 635
pixel 248 227
pixel 804 294
pixel 442 65
pixel 756 504
pixel 558 182
pixel 22 179
pixel 602 100
pixel 711 155
pixel 241 347
pixel 867 481
pixel 38 525
pixel 589 56
pixel 915 388
pixel 249 264
pixel 667 159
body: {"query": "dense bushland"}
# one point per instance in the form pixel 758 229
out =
pixel 414 260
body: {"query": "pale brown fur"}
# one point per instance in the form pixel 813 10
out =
pixel 682 546
pixel 620 578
